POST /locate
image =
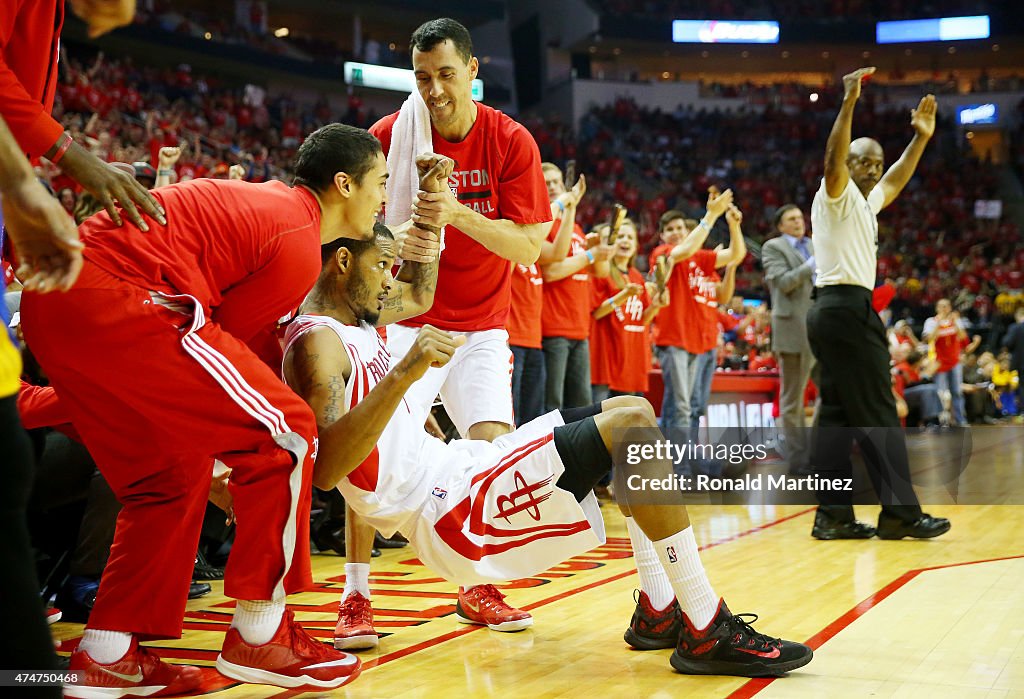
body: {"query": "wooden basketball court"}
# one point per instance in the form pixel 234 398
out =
pixel 936 618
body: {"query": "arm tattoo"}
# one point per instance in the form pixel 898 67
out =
pixel 333 408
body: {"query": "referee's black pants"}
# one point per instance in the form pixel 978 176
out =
pixel 25 641
pixel 848 340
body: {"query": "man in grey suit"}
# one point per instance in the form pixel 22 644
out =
pixel 788 262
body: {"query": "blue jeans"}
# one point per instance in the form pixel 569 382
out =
pixel 952 381
pixel 528 378
pixel 678 371
pixel 700 394
pixel 568 366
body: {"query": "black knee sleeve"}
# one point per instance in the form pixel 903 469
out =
pixel 577 414
pixel 583 453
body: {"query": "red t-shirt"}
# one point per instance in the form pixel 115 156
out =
pixel 620 343
pixel 567 301
pixel 497 175
pixel 691 319
pixel 947 344
pixel 248 253
pixel 527 301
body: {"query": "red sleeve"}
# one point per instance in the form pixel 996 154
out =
pixel 882 296
pixel 33 127
pixel 727 321
pixel 382 130
pixel 39 406
pixel 523 196
pixel 251 307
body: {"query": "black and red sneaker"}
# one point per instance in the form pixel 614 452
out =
pixel 650 628
pixel 730 646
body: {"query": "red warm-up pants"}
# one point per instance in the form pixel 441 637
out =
pixel 157 396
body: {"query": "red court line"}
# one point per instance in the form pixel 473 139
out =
pixel 819 639
pixel 431 642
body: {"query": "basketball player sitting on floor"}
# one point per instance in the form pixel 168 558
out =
pixel 479 511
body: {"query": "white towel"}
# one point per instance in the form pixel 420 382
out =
pixel 410 137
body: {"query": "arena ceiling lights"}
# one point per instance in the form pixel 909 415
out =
pixel 695 31
pixel 942 29
pixel 397 79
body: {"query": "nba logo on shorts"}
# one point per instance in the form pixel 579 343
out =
pixel 439 492
pixel 671 551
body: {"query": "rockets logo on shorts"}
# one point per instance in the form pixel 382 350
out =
pixel 511 504
pixel 671 551
pixel 439 492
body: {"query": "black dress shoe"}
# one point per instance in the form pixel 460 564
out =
pixel 826 528
pixel 924 527
pixel 198 589
pixel 329 539
pixel 380 542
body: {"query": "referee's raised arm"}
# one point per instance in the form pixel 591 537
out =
pixel 837 174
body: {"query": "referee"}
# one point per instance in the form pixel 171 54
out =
pixel 847 336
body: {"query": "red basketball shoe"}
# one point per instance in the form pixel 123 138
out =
pixel 140 673
pixel 355 624
pixel 484 605
pixel 292 659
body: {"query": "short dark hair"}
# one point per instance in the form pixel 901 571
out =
pixel 353 245
pixel 780 212
pixel 332 149
pixel 668 217
pixel 437 31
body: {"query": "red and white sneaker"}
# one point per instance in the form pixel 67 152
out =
pixel 291 659
pixel 355 624
pixel 140 673
pixel 484 605
pixel 53 615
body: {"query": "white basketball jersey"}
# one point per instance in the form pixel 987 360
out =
pixel 389 487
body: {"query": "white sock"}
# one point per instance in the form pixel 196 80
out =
pixel 357 579
pixel 105 647
pixel 653 579
pixel 257 620
pixel 682 564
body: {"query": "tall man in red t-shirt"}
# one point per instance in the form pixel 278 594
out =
pixel 946 331
pixel 150 352
pixel 495 215
pixel 688 327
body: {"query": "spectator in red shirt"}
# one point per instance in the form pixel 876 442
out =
pixel 529 373
pixel 623 310
pixel 565 320
pixel 945 330
pixel 681 336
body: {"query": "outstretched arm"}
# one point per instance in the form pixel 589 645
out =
pixel 896 178
pixel 737 250
pixel 694 241
pixel 837 175
pixel 318 368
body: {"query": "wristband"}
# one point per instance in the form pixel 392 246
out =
pixel 167 173
pixel 561 207
pixel 590 257
pixel 65 143
pixel 703 225
pixel 611 302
